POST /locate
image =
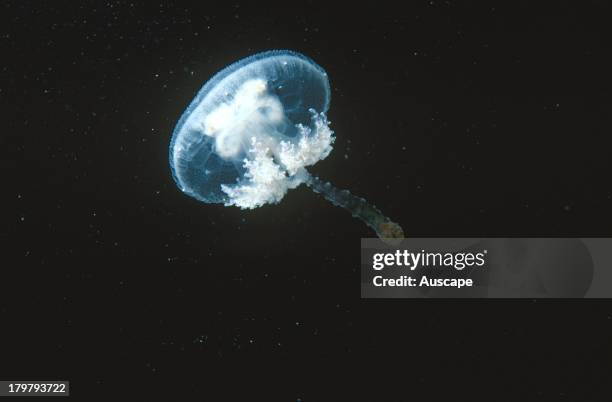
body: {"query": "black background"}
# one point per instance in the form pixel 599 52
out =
pixel 456 119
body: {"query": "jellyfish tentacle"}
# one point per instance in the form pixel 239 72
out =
pixel 358 207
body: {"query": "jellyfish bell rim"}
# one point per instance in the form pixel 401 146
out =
pixel 215 80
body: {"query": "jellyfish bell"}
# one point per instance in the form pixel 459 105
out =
pixel 257 110
pixel 251 131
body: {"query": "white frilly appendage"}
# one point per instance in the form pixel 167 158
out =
pixel 274 167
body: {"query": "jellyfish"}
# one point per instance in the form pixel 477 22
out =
pixel 251 132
